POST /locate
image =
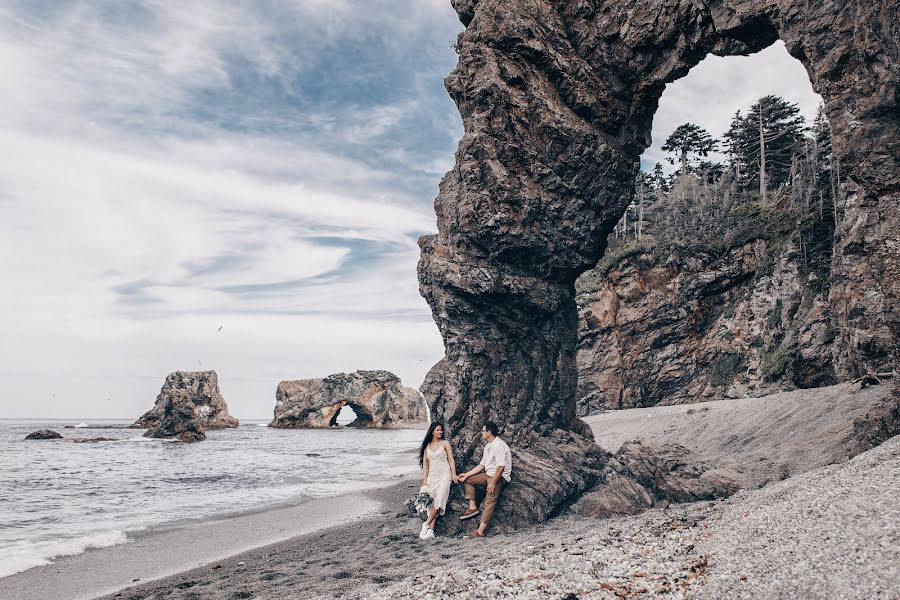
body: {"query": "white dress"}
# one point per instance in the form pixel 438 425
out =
pixel 438 476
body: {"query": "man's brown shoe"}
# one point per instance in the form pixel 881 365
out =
pixel 476 534
pixel 470 512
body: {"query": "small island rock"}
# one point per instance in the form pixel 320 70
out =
pixel 377 397
pixel 43 434
pixel 202 387
pixel 180 419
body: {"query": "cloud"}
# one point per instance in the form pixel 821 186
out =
pixel 715 89
pixel 170 169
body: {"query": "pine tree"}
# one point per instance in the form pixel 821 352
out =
pixel 688 143
pixel 762 144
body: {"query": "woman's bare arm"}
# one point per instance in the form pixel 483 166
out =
pixel 449 450
pixel 425 469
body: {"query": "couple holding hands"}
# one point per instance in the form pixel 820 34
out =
pixel 439 471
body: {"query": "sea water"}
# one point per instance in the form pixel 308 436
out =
pixel 59 497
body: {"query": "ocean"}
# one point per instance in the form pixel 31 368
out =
pixel 60 497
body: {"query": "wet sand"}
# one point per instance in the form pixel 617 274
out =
pixel 159 553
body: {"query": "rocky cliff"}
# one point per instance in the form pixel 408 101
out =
pixel 557 99
pixel 376 397
pixel 202 388
pixel 661 325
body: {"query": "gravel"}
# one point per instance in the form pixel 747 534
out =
pixel 830 533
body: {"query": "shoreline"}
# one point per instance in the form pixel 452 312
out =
pixel 164 551
pixel 777 542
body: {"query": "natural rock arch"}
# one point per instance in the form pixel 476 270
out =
pixel 557 99
pixel 363 416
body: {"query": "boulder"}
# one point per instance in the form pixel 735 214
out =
pixel 202 387
pixel 377 398
pixel 180 419
pixel 640 476
pixel 43 434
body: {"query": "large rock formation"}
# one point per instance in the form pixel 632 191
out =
pixel 377 398
pixel 180 418
pixel 202 388
pixel 657 326
pixel 557 99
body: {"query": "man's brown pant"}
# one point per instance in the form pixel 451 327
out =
pixel 490 501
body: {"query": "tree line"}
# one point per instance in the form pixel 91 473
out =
pixel 779 180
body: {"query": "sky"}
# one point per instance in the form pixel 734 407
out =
pixel 239 187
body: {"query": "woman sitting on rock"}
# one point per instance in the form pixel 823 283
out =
pixel 438 469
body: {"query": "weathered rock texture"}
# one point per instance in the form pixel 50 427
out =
pixel 43 434
pixel 660 327
pixel 180 418
pixel 202 387
pixel 641 476
pixel 377 397
pixel 557 99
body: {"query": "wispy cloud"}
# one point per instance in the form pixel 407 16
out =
pixel 171 169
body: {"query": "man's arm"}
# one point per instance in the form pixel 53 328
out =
pixel 471 472
pixel 492 483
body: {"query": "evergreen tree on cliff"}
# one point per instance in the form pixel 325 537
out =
pixel 764 141
pixel 688 143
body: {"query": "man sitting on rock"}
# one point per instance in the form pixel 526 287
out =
pixel 494 472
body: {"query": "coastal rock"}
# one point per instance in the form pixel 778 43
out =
pixel 377 398
pixel 43 434
pixel 641 475
pixel 879 424
pixel 564 462
pixel 659 327
pixel 202 387
pixel 557 100
pixel 93 440
pixel 180 419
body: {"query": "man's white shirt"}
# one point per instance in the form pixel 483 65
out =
pixel 497 454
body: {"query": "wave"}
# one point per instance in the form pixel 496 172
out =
pixel 23 557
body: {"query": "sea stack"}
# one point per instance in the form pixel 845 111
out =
pixel 377 397
pixel 202 389
pixel 180 418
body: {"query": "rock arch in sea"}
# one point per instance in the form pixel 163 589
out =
pixel 557 99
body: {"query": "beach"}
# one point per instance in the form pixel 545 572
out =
pixel 832 532
pixel 825 526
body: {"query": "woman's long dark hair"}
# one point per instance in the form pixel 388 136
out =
pixel 427 439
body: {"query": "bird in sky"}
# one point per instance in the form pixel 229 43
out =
pixel 220 327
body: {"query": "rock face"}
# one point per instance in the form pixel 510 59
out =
pixel 662 328
pixel 377 398
pixel 202 387
pixel 43 434
pixel 181 418
pixel 557 99
pixel 641 476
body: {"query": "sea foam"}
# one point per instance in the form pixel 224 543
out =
pixel 21 558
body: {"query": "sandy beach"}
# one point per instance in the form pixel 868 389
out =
pixel 816 531
pixel 155 554
pixel 832 532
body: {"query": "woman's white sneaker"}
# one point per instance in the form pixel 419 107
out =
pixel 428 534
pixel 424 529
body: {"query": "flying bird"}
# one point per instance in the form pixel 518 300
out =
pixel 220 327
